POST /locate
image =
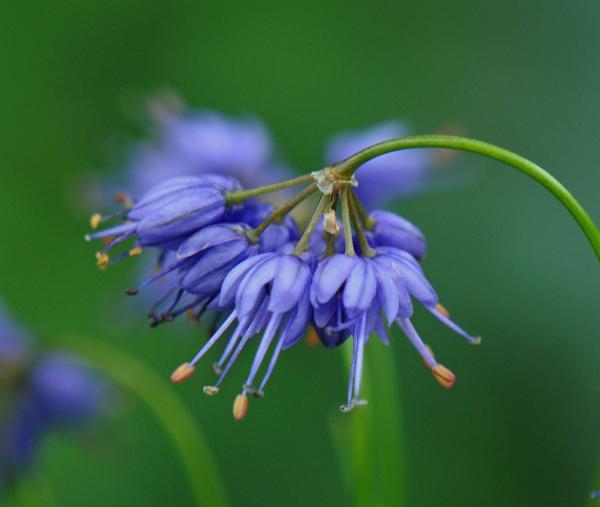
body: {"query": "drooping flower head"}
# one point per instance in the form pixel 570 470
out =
pixel 224 251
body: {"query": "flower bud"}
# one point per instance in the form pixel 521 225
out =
pixel 330 223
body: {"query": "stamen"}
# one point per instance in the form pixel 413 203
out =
pixel 218 366
pixel 124 199
pixel 312 338
pixel 183 372
pixel 424 360
pixel 271 367
pixel 102 260
pixel 240 407
pixel 441 309
pixel 136 250
pixel 443 376
pixel 191 315
pixel 442 317
pixel 210 390
pixel 360 355
pixel 95 220
pixel 344 409
pixel 214 338
pixel 263 347
pixel 415 339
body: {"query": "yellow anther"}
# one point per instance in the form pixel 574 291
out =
pixel 441 309
pixel 240 407
pixel 136 250
pixel 191 315
pixel 95 220
pixel 124 199
pixel 102 259
pixel 424 361
pixel 443 376
pixel 312 338
pixel 210 390
pixel 107 240
pixel 184 372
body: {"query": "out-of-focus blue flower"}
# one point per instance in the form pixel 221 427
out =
pixel 64 391
pixel 389 176
pixel 199 142
pixel 38 392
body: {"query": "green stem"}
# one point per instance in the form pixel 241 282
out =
pixel 282 211
pixel 180 425
pixel 367 221
pixel 351 164
pixel 365 248
pixel 346 220
pixel 241 195
pixel 376 468
pixel 310 228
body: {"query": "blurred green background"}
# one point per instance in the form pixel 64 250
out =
pixel 521 425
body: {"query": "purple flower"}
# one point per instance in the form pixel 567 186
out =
pixel 64 391
pixel 389 229
pixel 193 273
pixel 388 176
pixel 166 214
pixel 354 296
pixel 269 296
pixel 39 392
pixel 200 142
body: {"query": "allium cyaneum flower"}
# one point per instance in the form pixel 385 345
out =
pixel 39 392
pixel 222 251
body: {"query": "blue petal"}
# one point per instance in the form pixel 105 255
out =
pixel 360 288
pixel 297 323
pixel 289 284
pixel 387 293
pixel 214 259
pixel 209 237
pixel 235 277
pixel 253 286
pixel 331 275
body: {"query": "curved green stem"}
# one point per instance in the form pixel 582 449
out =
pixel 351 164
pixel 183 430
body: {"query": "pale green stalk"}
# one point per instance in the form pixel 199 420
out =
pixel 184 432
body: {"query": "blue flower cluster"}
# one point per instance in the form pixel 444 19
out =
pixel 222 250
pixel 38 392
